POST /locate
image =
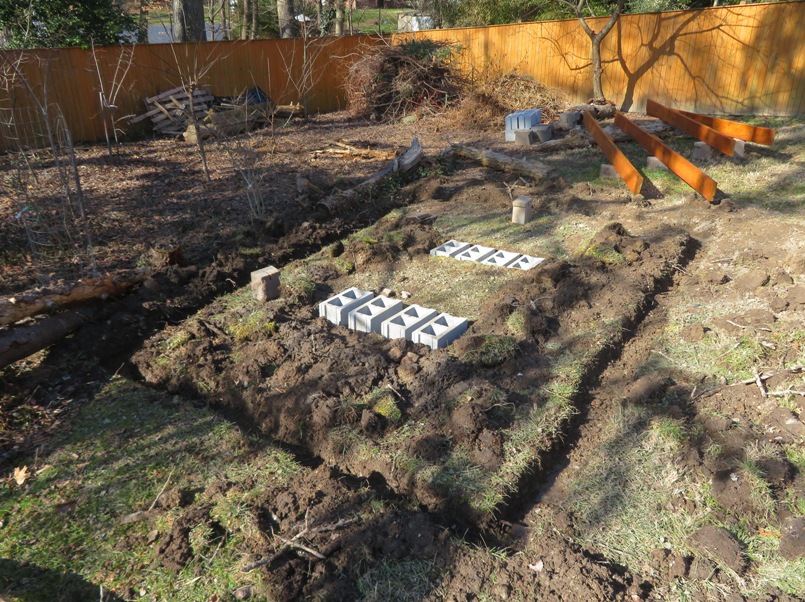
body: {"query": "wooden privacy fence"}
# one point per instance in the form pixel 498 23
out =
pixel 738 60
pixel 67 79
pixel 746 59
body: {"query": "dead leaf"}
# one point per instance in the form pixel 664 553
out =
pixel 21 475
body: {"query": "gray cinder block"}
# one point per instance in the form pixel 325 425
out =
pixel 475 253
pixel 608 172
pixel 266 283
pixel 526 262
pixel 570 119
pixel 702 151
pixel 501 258
pixel 655 163
pixel 369 316
pixel 440 331
pixel 522 209
pixel 450 249
pixel 403 324
pixel 336 309
pixel 543 132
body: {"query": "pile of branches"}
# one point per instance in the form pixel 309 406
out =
pixel 389 82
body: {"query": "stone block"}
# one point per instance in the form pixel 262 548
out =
pixel 440 331
pixel 655 163
pixel 336 309
pixel 608 172
pixel 522 209
pixel 403 324
pixel 526 262
pixel 475 253
pixel 524 137
pixel 570 119
pixel 369 316
pixel 450 249
pixel 702 151
pixel 501 258
pixel 266 283
pixel 740 149
pixel 522 120
pixel 543 132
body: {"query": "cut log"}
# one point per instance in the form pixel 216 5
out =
pixel 622 165
pixel 21 341
pixel 735 129
pixel 520 167
pixel 689 173
pixel 691 127
pixel 18 307
pixel 401 165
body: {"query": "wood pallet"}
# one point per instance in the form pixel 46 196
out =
pixel 170 112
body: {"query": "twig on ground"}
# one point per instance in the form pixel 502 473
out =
pixel 784 393
pixel 161 491
pixel 764 392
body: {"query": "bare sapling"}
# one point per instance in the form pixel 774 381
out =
pixel 108 91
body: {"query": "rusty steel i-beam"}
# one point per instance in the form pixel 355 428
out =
pixel 689 173
pixel 702 132
pixel 735 129
pixel 624 167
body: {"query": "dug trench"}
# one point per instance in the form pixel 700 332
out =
pixel 463 434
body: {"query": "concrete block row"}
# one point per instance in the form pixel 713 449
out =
pixel 363 312
pixel 522 121
pixel 465 251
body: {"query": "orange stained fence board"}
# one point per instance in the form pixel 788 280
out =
pixel 622 165
pixel 689 173
pixel 702 132
pixel 735 129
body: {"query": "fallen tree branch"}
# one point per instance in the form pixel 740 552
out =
pixel 24 305
pixel 522 167
pixel 402 164
pixel 784 393
pixel 19 342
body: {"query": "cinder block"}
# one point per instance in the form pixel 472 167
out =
pixel 501 258
pixel 524 137
pixel 702 151
pixel 522 209
pixel 475 253
pixel 266 283
pixel 440 331
pixel 526 262
pixel 403 324
pixel 655 163
pixel 450 249
pixel 740 149
pixel 336 309
pixel 608 172
pixel 543 132
pixel 522 120
pixel 570 119
pixel 369 316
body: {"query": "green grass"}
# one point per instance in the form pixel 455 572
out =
pixel 121 450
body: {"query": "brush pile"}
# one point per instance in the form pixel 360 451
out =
pixel 390 82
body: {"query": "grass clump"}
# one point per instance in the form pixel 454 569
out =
pixel 252 326
pixel 297 285
pixel 178 340
pixel 604 252
pixel 494 350
pixel 516 323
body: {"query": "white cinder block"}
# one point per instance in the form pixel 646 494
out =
pixel 369 316
pixel 440 331
pixel 403 324
pixel 526 262
pixel 336 309
pixel 501 258
pixel 450 248
pixel 475 253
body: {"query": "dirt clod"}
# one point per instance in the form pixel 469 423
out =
pixel 719 543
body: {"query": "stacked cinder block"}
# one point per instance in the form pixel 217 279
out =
pixel 363 312
pixel 485 255
pixel 522 121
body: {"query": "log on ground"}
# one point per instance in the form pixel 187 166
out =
pixel 520 167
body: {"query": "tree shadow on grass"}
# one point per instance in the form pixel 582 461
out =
pixel 32 583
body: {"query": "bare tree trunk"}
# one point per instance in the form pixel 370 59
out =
pixel 285 18
pixel 226 22
pixel 339 17
pixel 244 19
pixel 188 21
pixel 255 19
pixel 142 23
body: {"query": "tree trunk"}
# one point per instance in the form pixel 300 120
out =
pixel 244 19
pixel 188 21
pixel 339 17
pixel 255 19
pixel 142 23
pixel 595 42
pixel 285 17
pixel 598 70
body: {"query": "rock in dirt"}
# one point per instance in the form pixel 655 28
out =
pixel 721 544
pixel 752 280
pixel 784 421
pixel 796 297
pixel 792 540
pixel 778 304
pixel 780 276
pixel 693 333
pixel 243 593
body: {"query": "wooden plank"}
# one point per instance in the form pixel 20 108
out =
pixel 735 129
pixel 693 128
pixel 689 173
pixel 624 167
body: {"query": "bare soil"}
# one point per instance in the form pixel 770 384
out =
pixel 561 348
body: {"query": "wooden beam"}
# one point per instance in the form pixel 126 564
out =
pixel 717 140
pixel 735 129
pixel 689 173
pixel 622 165
pixel 535 170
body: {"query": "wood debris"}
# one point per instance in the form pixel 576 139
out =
pixel 172 111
